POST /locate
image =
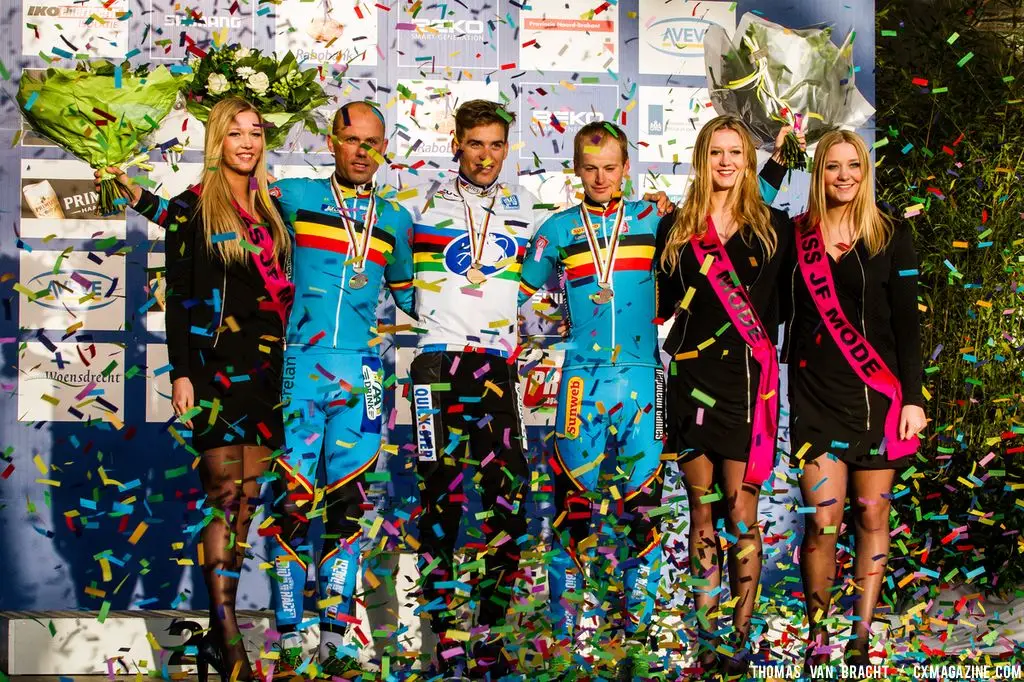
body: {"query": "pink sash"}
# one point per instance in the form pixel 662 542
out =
pixel 862 358
pixel 280 290
pixel 736 302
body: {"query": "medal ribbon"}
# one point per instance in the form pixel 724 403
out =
pixel 603 266
pixel 817 273
pixel 355 239
pixel 477 241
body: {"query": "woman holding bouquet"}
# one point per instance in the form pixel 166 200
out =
pixel 228 297
pixel 719 261
pixel 853 344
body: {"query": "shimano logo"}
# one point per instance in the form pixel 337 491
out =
pixel 209 22
pixel 458 26
pixel 566 118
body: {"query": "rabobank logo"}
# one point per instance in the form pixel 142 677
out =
pixel 498 249
pixel 85 290
pixel 678 36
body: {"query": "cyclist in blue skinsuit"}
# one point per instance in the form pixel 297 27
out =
pixel 611 390
pixel 611 394
pixel 349 240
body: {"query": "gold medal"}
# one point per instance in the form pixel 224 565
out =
pixel 475 275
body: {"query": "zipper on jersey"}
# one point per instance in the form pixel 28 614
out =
pixel 344 278
pixel 223 305
pixel 611 274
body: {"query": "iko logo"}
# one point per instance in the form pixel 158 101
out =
pixel 498 249
pixel 458 26
pixel 423 409
pixel 678 36
pixel 655 119
pixel 88 291
pixel 511 202
pixel 566 118
pixel 207 22
pixel 69 12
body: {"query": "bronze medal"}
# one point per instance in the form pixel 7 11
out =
pixel 358 281
pixel 475 275
pixel 604 296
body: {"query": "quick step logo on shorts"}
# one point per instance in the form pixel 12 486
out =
pixel 573 407
pixel 423 406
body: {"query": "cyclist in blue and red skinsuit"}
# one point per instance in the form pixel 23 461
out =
pixel 610 399
pixel 350 239
pixel 611 396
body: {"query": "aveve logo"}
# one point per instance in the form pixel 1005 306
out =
pixel 573 406
pixel 86 290
pixel 679 36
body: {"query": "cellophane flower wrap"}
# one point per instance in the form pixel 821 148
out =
pixel 102 113
pixel 284 94
pixel 772 76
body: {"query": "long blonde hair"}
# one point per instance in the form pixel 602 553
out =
pixel 869 223
pixel 744 198
pixel 215 208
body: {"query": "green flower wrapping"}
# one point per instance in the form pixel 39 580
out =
pixel 101 113
pixel 284 95
pixel 769 75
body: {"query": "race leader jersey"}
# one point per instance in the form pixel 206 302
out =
pixel 454 312
pixel 335 304
pixel 616 250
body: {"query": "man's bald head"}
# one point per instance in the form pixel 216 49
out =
pixel 358 142
pixel 343 116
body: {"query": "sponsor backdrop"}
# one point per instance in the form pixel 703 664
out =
pixel 98 501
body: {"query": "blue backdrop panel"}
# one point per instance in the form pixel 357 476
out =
pixel 98 509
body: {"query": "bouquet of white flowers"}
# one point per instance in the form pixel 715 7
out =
pixel 771 76
pixel 283 94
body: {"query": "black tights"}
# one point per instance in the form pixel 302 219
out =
pixel 230 477
pixel 737 505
